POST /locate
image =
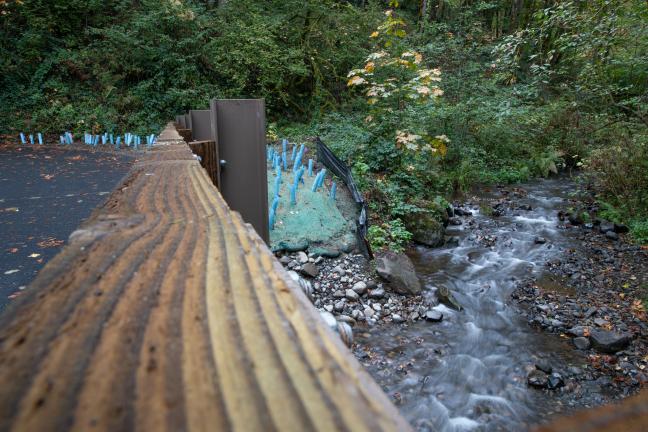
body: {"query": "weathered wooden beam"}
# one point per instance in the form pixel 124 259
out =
pixel 209 159
pixel 167 312
pixel 629 415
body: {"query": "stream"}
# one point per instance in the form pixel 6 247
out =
pixel 469 372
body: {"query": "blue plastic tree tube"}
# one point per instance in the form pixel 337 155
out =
pixel 284 145
pixel 310 167
pixel 294 154
pixel 118 142
pixel 272 219
pixel 275 204
pixel 300 173
pixel 285 161
pixel 297 162
pixel 62 139
pixel 277 185
pixel 321 179
pixel 293 195
pixel 316 182
pixel 40 138
pixel 112 139
pixel 22 138
pixel 333 190
pixel 31 139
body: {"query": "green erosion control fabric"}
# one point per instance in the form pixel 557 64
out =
pixel 315 221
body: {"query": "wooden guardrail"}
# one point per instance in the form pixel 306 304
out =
pixel 167 312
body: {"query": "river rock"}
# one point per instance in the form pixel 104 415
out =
pixel 555 381
pixel 398 270
pixel 377 293
pixel 612 235
pixel 609 342
pixel 577 331
pixel 540 240
pixel 351 295
pixel 620 228
pixel 446 297
pixel 302 257
pixel 575 218
pixel 360 287
pixel 606 226
pixel 338 294
pixel 537 378
pixel 544 366
pixel 329 319
pixel 310 269
pixel 582 343
pixel 426 229
pixel 433 316
pixel 455 221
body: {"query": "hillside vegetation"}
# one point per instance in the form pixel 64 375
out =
pixel 422 98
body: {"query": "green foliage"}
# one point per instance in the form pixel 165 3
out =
pixel 392 235
pixel 639 230
pixel 123 64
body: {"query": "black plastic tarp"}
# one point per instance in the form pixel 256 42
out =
pixel 340 169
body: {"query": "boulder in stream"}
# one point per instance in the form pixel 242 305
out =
pixel 398 270
pixel 426 229
pixel 446 297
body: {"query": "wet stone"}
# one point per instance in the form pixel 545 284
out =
pixel 544 366
pixel 538 379
pixel 582 343
pixel 433 316
pixel 555 381
pixel 608 342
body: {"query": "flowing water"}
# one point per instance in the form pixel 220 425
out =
pixel 469 372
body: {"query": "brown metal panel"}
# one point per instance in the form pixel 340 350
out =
pixel 240 126
pixel 188 121
pixel 201 127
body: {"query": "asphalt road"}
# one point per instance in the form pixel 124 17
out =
pixel 45 193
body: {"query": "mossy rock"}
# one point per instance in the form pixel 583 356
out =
pixel 426 228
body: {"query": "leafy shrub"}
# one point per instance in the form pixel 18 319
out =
pixel 391 235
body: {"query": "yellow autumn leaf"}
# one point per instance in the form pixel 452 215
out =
pixel 372 100
pixel 369 67
pixel 356 80
pixel 374 34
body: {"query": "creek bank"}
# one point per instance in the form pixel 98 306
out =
pixel 348 288
pixel 592 294
pixel 517 374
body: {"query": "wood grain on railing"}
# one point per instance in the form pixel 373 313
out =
pixel 167 312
